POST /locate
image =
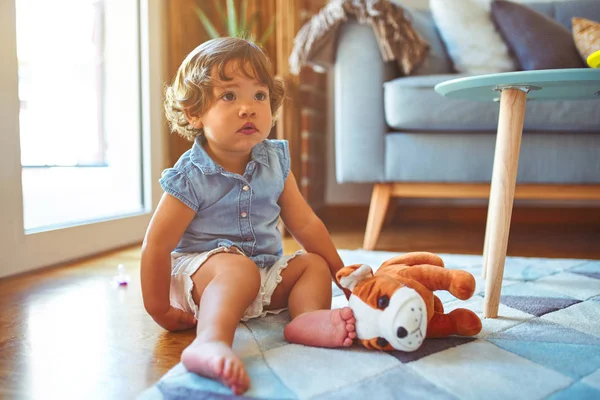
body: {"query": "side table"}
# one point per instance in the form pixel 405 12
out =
pixel 512 89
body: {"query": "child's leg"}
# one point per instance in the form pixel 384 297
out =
pixel 225 285
pixel 306 290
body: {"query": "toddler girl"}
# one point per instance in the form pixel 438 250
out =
pixel 212 255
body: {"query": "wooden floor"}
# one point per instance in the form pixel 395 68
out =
pixel 69 333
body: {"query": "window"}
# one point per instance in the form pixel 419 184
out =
pixel 79 94
pixel 112 163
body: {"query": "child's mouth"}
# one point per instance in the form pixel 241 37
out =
pixel 248 129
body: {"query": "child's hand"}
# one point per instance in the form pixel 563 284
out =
pixel 175 320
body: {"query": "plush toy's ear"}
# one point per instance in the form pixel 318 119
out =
pixel 349 277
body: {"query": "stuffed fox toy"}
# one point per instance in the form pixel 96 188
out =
pixel 396 309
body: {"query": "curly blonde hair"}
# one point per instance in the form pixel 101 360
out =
pixel 191 90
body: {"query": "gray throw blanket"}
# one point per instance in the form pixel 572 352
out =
pixel 315 42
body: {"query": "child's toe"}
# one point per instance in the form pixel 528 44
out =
pixel 237 389
pixel 346 313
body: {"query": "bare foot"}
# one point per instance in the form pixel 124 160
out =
pixel 322 328
pixel 216 360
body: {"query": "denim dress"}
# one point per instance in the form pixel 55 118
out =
pixel 232 209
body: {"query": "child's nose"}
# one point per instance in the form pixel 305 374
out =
pixel 247 111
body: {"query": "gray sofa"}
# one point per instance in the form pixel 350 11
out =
pixel 399 133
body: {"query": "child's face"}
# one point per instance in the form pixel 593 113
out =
pixel 240 116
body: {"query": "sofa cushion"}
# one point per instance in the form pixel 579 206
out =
pixel 525 30
pixel 470 37
pixel 586 34
pixel 564 11
pixel 465 157
pixel 411 103
pixel 437 61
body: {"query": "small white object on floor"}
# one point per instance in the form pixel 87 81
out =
pixel 121 279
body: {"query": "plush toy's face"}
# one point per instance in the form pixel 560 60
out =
pixel 389 315
pixel 399 320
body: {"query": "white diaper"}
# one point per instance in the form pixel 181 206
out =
pixel 183 266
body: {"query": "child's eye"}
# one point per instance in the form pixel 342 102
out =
pixel 229 96
pixel 260 96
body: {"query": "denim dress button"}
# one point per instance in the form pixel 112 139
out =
pixel 244 214
pixel 246 188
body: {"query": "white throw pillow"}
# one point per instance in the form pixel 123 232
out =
pixel 471 39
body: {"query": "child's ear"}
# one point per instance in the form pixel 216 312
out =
pixel 193 120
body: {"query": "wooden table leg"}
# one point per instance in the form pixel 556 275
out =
pixel 502 193
pixel 486 240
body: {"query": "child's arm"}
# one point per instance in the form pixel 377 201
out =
pixel 168 224
pixel 306 227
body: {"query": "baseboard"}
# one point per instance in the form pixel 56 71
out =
pixel 522 214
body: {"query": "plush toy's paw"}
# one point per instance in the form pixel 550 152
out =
pixel 466 321
pixel 463 285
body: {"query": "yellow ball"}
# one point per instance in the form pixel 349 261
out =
pixel 594 59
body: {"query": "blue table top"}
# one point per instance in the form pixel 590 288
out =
pixel 548 84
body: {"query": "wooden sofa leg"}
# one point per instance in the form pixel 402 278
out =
pixel 380 200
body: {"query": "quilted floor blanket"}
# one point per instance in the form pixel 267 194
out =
pixel 544 345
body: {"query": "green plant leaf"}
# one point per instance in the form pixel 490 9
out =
pixel 243 12
pixel 253 20
pixel 231 19
pixel 221 12
pixel 268 32
pixel 208 26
